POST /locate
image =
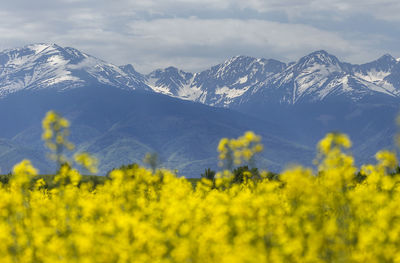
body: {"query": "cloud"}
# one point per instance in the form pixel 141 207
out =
pixel 196 34
pixel 223 37
pixel 380 9
pixel 195 43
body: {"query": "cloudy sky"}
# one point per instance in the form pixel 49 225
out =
pixel 194 35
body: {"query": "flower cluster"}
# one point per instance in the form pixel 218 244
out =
pixel 240 150
pixel 55 133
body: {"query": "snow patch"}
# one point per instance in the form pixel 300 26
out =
pixel 230 93
pixel 37 48
pixel 345 84
pixel 192 93
pixel 389 87
pixel 16 62
pixel 373 75
pixel 203 97
pixel 62 78
pixel 333 85
pixel 184 91
pixel 242 80
pixel 374 87
pixel 56 60
pixel 151 82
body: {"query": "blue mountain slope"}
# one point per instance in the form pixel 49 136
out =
pixel 120 126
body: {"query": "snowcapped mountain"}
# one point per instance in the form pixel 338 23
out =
pixel 238 81
pixel 319 76
pixel 41 66
pixel 315 77
pixel 218 86
pixel 383 72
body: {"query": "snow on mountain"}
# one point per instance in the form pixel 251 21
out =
pixel 314 77
pixel 237 81
pixel 376 73
pixel 320 58
pixel 130 71
pixel 40 66
pixel 217 86
pixel 319 76
pixel 33 66
pixel 171 81
pixel 226 83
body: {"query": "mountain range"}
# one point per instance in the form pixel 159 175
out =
pixel 119 114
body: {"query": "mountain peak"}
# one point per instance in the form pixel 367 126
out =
pixel 319 57
pixel 319 52
pixel 40 47
pixel 237 64
pixel 387 58
pixel 45 51
pixel 128 68
pixel 239 59
pixel 384 64
pixel 171 69
pixel 31 49
pixel 167 72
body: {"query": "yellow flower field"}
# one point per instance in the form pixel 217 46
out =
pixel 328 215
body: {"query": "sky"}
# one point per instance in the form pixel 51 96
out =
pixel 194 35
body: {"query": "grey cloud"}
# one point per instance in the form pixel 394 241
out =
pixel 196 34
pixel 224 38
pixel 382 9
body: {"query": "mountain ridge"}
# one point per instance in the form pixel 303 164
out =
pixel 41 66
pixel 312 78
pixel 232 82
